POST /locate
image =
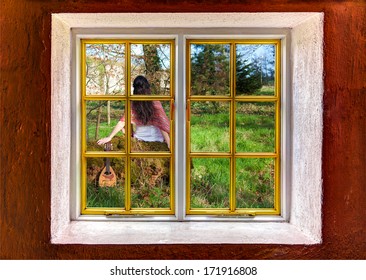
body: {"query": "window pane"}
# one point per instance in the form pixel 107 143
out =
pixel 210 183
pixel 153 62
pixel 255 69
pixel 150 183
pixel 255 127
pixel 105 69
pixel 101 118
pixel 105 182
pixel 255 182
pixel 210 126
pixel 150 125
pixel 210 69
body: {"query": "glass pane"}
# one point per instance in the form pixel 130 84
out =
pixel 153 62
pixel 101 118
pixel 105 69
pixel 255 69
pixel 150 183
pixel 210 126
pixel 105 179
pixel 150 126
pixel 255 127
pixel 255 182
pixel 210 69
pixel 210 183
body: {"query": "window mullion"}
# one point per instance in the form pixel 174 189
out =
pixel 180 140
pixel 128 128
pixel 232 129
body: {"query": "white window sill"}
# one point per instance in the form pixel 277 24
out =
pixel 305 94
pixel 82 232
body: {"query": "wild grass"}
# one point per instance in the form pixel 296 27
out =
pixel 210 177
pixel 105 196
pixel 210 183
pixel 210 132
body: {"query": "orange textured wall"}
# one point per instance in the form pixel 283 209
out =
pixel 25 132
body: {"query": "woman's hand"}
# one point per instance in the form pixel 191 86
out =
pixel 166 138
pixel 119 126
pixel 104 140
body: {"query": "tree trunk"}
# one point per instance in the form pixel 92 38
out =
pixel 109 112
pixel 152 66
pixel 98 123
pixel 108 102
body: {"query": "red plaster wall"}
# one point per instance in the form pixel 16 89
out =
pixel 25 132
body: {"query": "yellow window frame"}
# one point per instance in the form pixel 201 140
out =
pixel 233 155
pixel 128 155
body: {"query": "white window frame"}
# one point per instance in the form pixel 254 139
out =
pixel 180 36
pixel 300 222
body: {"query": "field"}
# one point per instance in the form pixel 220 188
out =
pixel 210 177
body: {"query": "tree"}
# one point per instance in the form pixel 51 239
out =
pixel 152 67
pixel 255 65
pixel 210 69
pixel 248 77
pixel 153 62
pixel 268 65
pixel 105 69
pixel 104 73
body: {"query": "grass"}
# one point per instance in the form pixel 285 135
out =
pixel 210 177
pixel 264 90
pixel 150 186
pixel 255 182
pixel 105 196
pixel 255 127
pixel 214 125
pixel 254 178
pixel 104 129
pixel 210 183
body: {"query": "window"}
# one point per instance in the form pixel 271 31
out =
pixel 297 123
pixel 129 176
pixel 232 127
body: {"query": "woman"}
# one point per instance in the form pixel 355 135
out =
pixel 149 117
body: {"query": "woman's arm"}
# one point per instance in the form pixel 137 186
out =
pixel 166 137
pixel 119 126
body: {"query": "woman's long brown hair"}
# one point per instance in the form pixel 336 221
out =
pixel 143 110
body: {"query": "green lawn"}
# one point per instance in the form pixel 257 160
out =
pixel 210 177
